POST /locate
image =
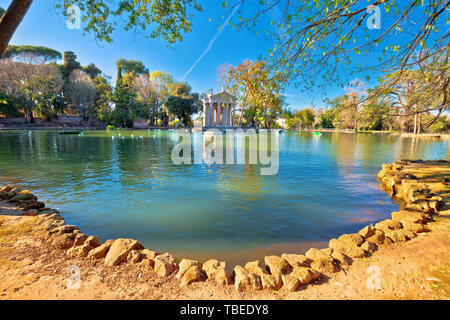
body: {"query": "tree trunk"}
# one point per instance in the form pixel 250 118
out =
pixel 11 20
pixel 415 123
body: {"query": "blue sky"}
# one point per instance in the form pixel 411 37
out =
pixel 42 26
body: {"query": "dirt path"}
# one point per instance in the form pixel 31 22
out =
pixel 32 269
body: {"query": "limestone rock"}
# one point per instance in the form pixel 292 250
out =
pixel 149 254
pixel 305 275
pixel 344 261
pixel 165 264
pixel 101 251
pixel 63 241
pixel 134 256
pixel 64 229
pixel 147 264
pixel 352 238
pixel 119 251
pixel 349 249
pixel 271 282
pixel 256 268
pixel 93 241
pixel 80 238
pixel 325 265
pixel 396 235
pixel 379 239
pixel 387 225
pixel 277 266
pixel 290 282
pixel 193 273
pixel 244 280
pixel 369 247
pixel 80 251
pixel 218 271
pixel 185 264
pixel 414 227
pixel 296 260
pixel 409 216
pixel 315 254
pixel 367 232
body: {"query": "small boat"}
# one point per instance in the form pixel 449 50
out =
pixel 74 132
pixel 317 133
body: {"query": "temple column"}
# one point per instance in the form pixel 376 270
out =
pixel 234 116
pixel 227 115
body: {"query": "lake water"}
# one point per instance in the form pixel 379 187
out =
pixel 129 187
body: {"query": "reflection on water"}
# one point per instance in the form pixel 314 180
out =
pixel 128 187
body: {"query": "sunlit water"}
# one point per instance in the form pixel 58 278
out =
pixel 129 187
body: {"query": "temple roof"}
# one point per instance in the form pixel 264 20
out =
pixel 220 97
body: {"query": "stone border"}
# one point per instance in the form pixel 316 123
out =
pixel 288 271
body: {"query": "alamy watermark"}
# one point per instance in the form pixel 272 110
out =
pixel 230 148
pixel 374 20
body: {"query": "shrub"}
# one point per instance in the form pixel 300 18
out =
pixel 8 107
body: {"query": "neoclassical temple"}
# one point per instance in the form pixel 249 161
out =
pixel 219 110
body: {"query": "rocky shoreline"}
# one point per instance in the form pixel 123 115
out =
pixel 419 184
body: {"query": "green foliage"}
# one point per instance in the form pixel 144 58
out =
pixel 126 108
pixel 2 11
pixel 135 66
pixel 303 119
pixel 8 107
pixel 440 125
pixel 110 127
pixel 70 64
pixel 103 98
pixel 182 103
pixel 327 118
pixel 43 54
pixel 92 71
pixel 170 18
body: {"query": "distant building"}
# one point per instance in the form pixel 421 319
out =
pixel 281 122
pixel 219 110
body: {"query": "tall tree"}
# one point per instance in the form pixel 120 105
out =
pixel 32 54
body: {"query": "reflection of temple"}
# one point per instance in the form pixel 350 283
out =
pixel 219 110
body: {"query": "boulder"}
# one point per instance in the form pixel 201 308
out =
pixel 134 256
pixel 193 273
pixel 119 251
pixel 185 264
pixel 270 282
pixel 379 239
pixel 147 264
pixel 387 225
pixel 396 235
pixel 32 212
pixel 369 247
pixel 149 254
pixel 244 280
pixel 80 238
pixel 344 261
pixel 218 271
pixel 367 232
pixel 296 260
pixel 165 264
pixel 101 251
pixel 93 241
pixel 414 227
pixel 349 249
pixel 23 196
pixel 305 275
pixel 63 241
pixel 290 282
pixel 255 267
pixel 351 239
pixel 35 205
pixel 80 251
pixel 409 216
pixel 315 254
pixel 277 266
pixel 325 265
pixel 64 229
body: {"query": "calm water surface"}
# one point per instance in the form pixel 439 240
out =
pixel 128 187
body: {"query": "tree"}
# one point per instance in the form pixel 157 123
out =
pixel 70 64
pixel 2 11
pixel 103 98
pixel 8 107
pixel 32 54
pixel 256 88
pixel 126 108
pixel 182 103
pixel 92 71
pixel 82 93
pixel 170 18
pixel 318 42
